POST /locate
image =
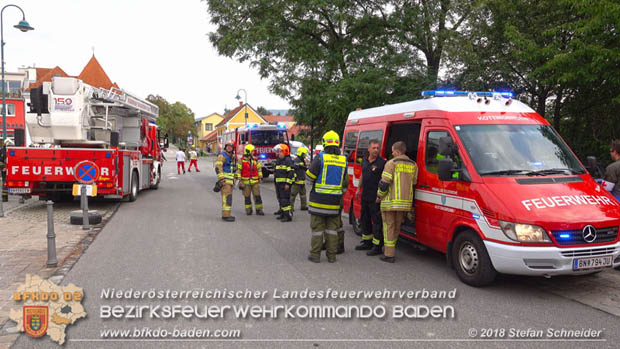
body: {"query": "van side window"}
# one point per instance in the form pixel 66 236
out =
pixel 350 141
pixel 365 138
pixel 431 153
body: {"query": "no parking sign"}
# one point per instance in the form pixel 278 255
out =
pixel 86 172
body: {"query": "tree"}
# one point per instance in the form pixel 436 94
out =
pixel 175 119
pixel 347 54
pixel 262 111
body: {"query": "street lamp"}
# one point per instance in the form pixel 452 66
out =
pixel 23 26
pixel 246 103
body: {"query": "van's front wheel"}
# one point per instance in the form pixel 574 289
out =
pixel 471 260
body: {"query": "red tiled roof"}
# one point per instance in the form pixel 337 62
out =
pixel 210 136
pixel 229 116
pixel 273 119
pixel 46 74
pixel 94 75
pixel 295 129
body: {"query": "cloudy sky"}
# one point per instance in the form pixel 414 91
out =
pixel 147 47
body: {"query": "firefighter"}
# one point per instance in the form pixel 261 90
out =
pixel 372 168
pixel 395 193
pixel 5 194
pixel 299 186
pixel 226 176
pixel 250 175
pixel 284 177
pixel 328 177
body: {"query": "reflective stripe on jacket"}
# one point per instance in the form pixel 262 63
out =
pixel 224 168
pixel 249 171
pixel 299 165
pixel 284 172
pixel 329 178
pixel 397 182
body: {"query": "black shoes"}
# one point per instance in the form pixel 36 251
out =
pixel 260 213
pixel 249 213
pixel 303 209
pixel 286 217
pixel 228 219
pixel 364 245
pixel 375 251
pixel 314 259
pixel 388 259
pixel 278 212
pixel 331 260
pixel 340 249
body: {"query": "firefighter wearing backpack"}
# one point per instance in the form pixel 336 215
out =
pixel 299 186
pixel 249 174
pixel 284 177
pixel 226 176
pixel 396 196
pixel 328 177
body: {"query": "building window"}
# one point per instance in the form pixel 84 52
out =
pixel 10 109
pixel 208 127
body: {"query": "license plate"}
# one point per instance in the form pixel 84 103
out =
pixel 592 262
pixel 19 190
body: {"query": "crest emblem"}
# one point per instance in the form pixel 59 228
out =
pixel 35 320
pixel 443 199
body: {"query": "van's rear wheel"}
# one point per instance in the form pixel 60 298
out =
pixel 471 260
pixel 133 194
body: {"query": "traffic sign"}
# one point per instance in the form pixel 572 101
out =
pixel 86 172
pixel 91 190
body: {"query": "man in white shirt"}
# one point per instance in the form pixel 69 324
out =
pixel 193 160
pixel 180 161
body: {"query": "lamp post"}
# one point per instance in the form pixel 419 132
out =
pixel 245 93
pixel 23 26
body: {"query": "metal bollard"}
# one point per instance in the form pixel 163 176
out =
pixel 51 236
pixel 1 189
pixel 85 223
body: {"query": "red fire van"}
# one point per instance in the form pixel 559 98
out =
pixel 498 189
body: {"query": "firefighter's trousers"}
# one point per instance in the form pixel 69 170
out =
pixel 392 220
pixel 340 228
pixel 324 227
pixel 284 197
pixel 372 227
pixel 227 190
pixel 301 190
pixel 250 190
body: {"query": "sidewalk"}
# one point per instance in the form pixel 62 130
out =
pixel 24 248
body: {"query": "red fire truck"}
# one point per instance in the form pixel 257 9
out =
pixel 263 137
pixel 71 122
pixel 498 190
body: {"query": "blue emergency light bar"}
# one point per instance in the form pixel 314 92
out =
pixel 262 156
pixel 564 236
pixel 450 93
pixel 281 126
pixel 252 125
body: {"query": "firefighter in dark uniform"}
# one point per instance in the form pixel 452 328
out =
pixel 299 186
pixel 5 194
pixel 250 176
pixel 284 177
pixel 328 177
pixel 225 171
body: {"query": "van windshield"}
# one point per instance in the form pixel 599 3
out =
pixel 517 150
pixel 268 137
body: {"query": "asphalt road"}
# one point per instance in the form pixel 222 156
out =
pixel 173 238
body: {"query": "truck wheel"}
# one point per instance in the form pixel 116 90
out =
pixel 133 194
pixel 356 223
pixel 471 260
pixel 156 185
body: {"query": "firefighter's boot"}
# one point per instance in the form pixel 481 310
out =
pixel 259 212
pixel 286 217
pixel 332 247
pixel 376 250
pixel 315 246
pixel 365 245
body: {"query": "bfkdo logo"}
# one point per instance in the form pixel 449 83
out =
pixel 36 318
pixel 46 308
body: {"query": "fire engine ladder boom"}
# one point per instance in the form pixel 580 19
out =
pixel 129 101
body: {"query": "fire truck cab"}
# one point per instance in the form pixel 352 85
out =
pixel 263 137
pixel 498 190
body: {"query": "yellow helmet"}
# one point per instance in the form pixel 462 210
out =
pixel 331 138
pixel 301 151
pixel 248 150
